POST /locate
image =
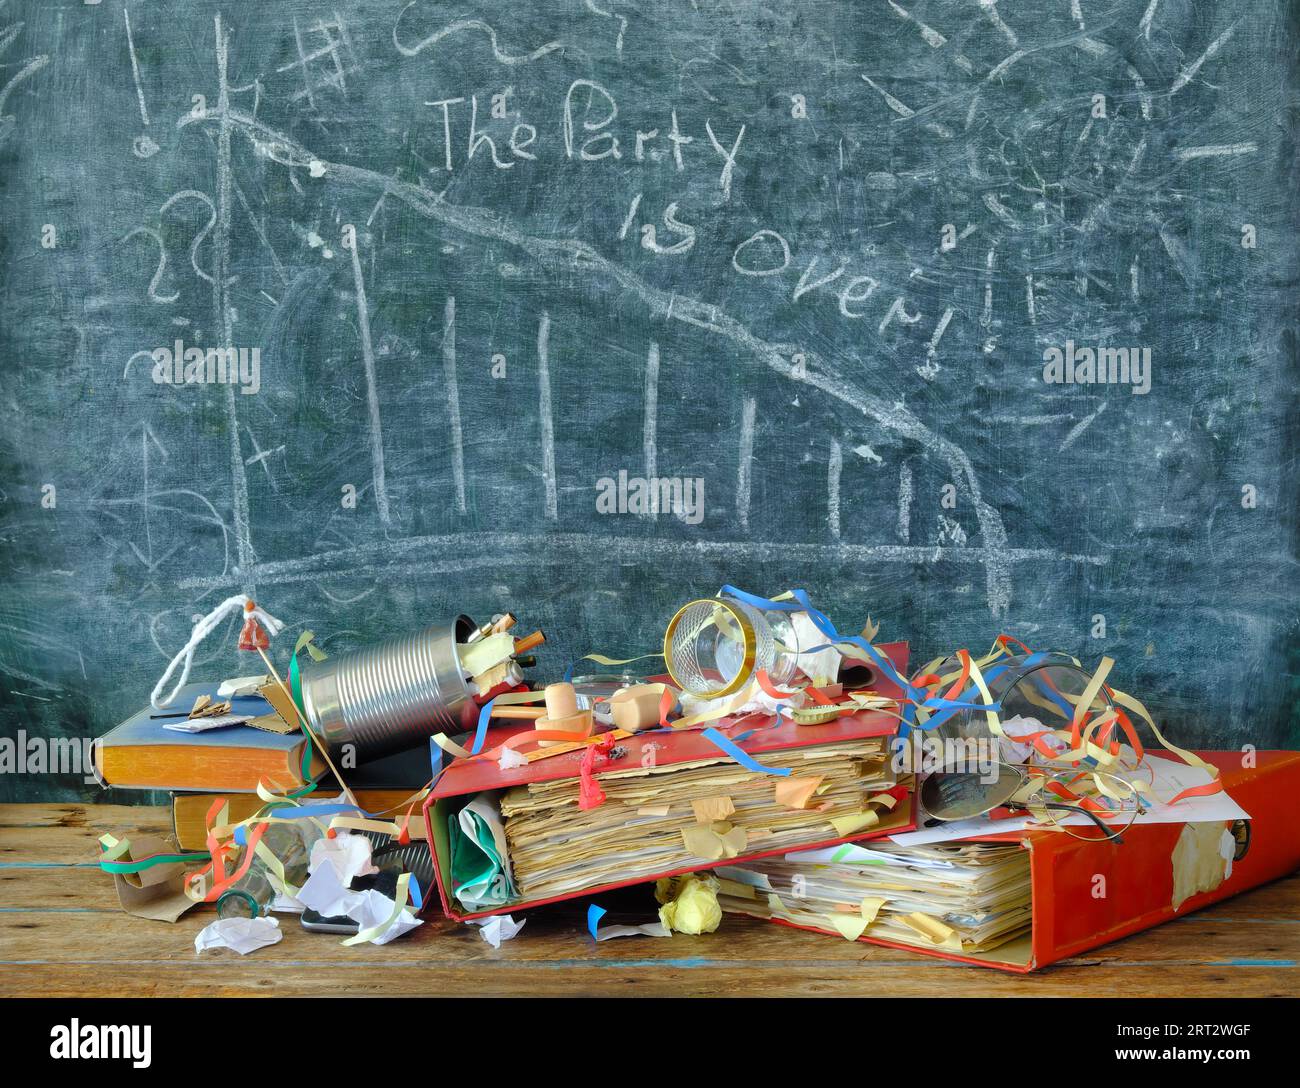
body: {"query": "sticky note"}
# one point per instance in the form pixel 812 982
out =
pixel 796 792
pixel 708 809
pixel 850 926
pixel 846 825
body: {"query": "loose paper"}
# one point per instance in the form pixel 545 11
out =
pixel 242 935
pixel 690 903
pixel 1168 779
pixel 824 663
pixel 242 685
pixel 498 928
pixel 846 825
pixel 703 842
pixel 650 929
pixel 372 907
pixel 347 853
pixel 202 725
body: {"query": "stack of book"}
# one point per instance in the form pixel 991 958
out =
pixel 199 765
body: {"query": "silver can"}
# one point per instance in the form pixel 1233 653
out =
pixel 392 695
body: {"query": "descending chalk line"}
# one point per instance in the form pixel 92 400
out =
pixel 569 254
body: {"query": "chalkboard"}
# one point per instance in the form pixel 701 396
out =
pixel 971 317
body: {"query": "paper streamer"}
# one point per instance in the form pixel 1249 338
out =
pixel 601 659
pixel 925 705
pixel 114 848
pixel 740 755
pixel 399 905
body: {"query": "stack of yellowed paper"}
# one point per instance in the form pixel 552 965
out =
pixel 961 897
pixel 656 819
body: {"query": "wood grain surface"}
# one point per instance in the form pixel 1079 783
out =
pixel 63 934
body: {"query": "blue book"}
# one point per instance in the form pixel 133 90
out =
pixel 141 754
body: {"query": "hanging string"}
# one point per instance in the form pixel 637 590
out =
pixel 185 658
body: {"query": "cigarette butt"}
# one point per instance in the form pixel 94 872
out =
pixel 528 713
pixel 503 624
pixel 528 661
pixel 531 642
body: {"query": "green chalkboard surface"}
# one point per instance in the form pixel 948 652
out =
pixel 972 317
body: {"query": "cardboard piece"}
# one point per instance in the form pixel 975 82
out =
pixel 281 704
pixel 273 723
pixel 156 893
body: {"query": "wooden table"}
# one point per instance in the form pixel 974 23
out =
pixel 63 934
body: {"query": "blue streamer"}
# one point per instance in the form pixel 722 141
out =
pixel 914 697
pixel 740 755
pixel 305 812
pixel 481 732
pixel 413 890
pixel 822 622
pixel 594 915
pixel 435 758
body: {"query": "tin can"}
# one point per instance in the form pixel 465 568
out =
pixel 393 695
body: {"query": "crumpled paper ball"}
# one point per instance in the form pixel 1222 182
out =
pixel 690 903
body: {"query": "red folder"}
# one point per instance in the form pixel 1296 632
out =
pixel 1139 873
pixel 468 777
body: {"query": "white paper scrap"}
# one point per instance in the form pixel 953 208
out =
pixel 202 725
pixel 242 935
pixel 372 907
pixel 349 855
pixel 242 685
pixel 498 928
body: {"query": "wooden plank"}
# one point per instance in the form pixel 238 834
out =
pixel 69 834
pixel 31 885
pixel 579 978
pixel 560 932
pixel 1252 956
pixel 48 945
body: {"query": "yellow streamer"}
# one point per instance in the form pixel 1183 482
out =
pixel 399 904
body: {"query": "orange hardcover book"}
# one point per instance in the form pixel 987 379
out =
pixel 142 753
pixel 1082 894
pixel 190 810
